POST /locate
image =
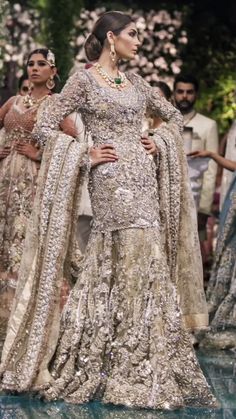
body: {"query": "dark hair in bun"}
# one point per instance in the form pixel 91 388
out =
pixel 109 21
pixel 93 47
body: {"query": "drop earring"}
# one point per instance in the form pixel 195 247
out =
pixel 112 53
pixel 50 84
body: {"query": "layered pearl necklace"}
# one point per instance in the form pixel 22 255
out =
pixel 116 82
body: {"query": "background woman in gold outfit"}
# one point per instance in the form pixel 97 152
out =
pixel 20 157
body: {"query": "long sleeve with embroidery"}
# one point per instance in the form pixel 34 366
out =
pixel 71 98
pixel 157 105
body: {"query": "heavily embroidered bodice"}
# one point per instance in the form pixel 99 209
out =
pixel 124 194
pixel 19 123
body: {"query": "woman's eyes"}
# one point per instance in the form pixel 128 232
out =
pixel 134 34
pixel 40 63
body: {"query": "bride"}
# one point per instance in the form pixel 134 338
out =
pixel 122 337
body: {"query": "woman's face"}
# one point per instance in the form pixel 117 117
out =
pixel 39 70
pixel 127 42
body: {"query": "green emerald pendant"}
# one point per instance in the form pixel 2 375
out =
pixel 117 80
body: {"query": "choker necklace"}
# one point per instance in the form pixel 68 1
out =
pixel 29 101
pixel 116 82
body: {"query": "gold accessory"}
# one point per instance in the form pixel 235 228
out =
pixel 50 84
pixel 51 59
pixel 112 53
pixel 116 82
pixel 30 101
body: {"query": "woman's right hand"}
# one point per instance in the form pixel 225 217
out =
pixel 4 152
pixel 102 154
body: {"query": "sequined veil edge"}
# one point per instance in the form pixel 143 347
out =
pixel 178 214
pixel 50 242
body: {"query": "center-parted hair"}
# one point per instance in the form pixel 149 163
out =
pixel 43 51
pixel 109 21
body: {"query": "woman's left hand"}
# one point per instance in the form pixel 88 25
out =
pixel 149 146
pixel 27 150
pixel 200 153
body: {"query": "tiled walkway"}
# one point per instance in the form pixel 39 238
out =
pixel 220 368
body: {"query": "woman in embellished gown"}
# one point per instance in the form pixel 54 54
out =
pixel 221 291
pixel 20 157
pixel 122 335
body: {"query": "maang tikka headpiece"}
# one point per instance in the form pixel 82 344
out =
pixel 51 59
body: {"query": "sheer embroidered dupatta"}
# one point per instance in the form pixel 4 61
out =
pixel 50 249
pixel 179 220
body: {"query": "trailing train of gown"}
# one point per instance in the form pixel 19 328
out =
pixel 123 336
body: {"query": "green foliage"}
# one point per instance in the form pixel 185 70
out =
pixel 58 29
pixel 211 57
pixel 38 4
pixel 219 101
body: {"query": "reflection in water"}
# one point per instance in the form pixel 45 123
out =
pixel 34 410
pixel 218 367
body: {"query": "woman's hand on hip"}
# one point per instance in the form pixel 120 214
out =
pixel 27 150
pixel 149 146
pixel 102 154
pixel 4 152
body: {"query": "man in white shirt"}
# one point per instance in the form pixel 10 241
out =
pixel 204 137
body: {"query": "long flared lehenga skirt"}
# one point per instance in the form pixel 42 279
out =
pixel 121 337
